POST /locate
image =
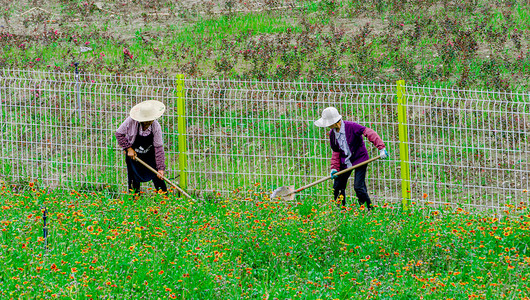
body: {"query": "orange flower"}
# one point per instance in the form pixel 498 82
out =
pixel 31 184
pixel 161 272
pixel 425 195
pixel 74 270
pixel 172 296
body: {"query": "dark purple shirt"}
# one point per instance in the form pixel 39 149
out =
pixel 354 137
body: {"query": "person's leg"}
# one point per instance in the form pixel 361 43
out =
pixel 339 187
pixel 132 185
pixel 159 184
pixel 360 187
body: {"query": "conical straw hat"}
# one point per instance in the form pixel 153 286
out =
pixel 147 111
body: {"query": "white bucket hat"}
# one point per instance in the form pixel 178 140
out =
pixel 330 116
pixel 147 111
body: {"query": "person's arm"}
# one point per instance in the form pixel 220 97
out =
pixel 374 138
pixel 160 158
pixel 335 155
pixel 335 161
pixel 121 134
pixel 158 143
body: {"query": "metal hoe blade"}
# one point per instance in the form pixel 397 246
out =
pixel 284 192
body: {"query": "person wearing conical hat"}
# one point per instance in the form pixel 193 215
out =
pixel 140 135
pixel 348 149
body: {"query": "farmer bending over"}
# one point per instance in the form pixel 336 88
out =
pixel 140 135
pixel 347 144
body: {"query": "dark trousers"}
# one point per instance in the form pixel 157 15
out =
pixel 160 184
pixel 359 185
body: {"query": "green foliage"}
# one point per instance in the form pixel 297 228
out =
pixel 424 42
pixel 249 246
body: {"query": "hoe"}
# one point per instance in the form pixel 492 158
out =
pixel 288 192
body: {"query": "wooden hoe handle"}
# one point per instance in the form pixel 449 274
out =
pixel 163 177
pixel 337 174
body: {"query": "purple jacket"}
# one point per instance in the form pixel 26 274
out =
pixel 354 137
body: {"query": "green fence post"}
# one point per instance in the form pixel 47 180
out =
pixel 181 119
pixel 403 145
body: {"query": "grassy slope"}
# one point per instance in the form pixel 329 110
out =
pixel 480 44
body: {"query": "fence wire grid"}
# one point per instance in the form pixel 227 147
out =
pixel 466 147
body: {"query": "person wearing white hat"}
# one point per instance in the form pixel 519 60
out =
pixel 348 149
pixel 140 135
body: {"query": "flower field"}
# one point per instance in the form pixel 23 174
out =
pixel 250 246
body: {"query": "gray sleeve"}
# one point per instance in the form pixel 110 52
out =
pixel 160 158
pixel 158 141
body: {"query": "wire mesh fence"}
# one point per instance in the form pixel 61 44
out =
pixel 466 147
pixel 60 129
pixel 469 147
pixel 242 133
